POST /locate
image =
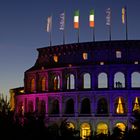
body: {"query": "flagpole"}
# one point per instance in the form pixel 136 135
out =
pixel 93 34
pixel 126 28
pixel 50 39
pixel 110 32
pixel 78 34
pixel 64 30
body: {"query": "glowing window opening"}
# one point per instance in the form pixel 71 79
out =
pixel 56 83
pixel 101 63
pixel 118 54
pixel 120 109
pixel 102 128
pixel 136 105
pixel 121 126
pixel 86 81
pixel 136 62
pixel 33 85
pixel 135 80
pixel 119 80
pixel 102 80
pixel 85 56
pixel 43 84
pixel 71 125
pixel 85 130
pixel 70 82
pixel 55 58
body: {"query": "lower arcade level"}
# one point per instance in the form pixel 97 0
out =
pixel 87 111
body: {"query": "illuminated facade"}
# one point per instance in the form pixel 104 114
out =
pixel 95 85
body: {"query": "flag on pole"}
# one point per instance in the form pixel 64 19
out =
pixel 123 15
pixel 91 19
pixel 62 21
pixel 108 16
pixel 76 19
pixel 49 24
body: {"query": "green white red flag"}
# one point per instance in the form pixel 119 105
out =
pixel 91 19
pixel 76 19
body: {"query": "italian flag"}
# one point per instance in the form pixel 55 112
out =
pixel 91 19
pixel 76 19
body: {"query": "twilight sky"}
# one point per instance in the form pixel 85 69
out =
pixel 22 30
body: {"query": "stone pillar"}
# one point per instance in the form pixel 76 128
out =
pixel 76 105
pixel 47 109
pixel 60 106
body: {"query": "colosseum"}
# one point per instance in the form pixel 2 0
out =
pixel 94 85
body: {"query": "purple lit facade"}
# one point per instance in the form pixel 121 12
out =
pixel 95 85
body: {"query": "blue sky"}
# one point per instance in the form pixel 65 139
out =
pixel 22 30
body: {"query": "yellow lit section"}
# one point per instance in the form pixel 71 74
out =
pixel 85 56
pixel 120 109
pixel 121 126
pixel 71 125
pixel 136 105
pixel 55 58
pixel 12 100
pixel 85 130
pixel 32 85
pixel 102 128
pixel 21 91
pixel 43 84
pixel 56 83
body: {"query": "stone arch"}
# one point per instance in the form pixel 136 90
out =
pixel 56 82
pixel 136 104
pixel 119 80
pixel 120 106
pixel 69 106
pixel 135 80
pixel 32 85
pixel 102 106
pixel 43 83
pixel 85 106
pixel 102 128
pixel 86 81
pixel 55 107
pixel 121 125
pixel 102 80
pixel 85 130
pixel 70 81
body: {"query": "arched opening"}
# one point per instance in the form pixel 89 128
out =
pixel 55 107
pixel 43 84
pixel 102 128
pixel 71 125
pixel 37 104
pixel 121 126
pixel 85 106
pixel 56 82
pixel 20 109
pixel 86 81
pixel 120 106
pixel 30 106
pixel 69 107
pixel 136 104
pixel 42 107
pixel 102 106
pixel 102 80
pixel 119 80
pixel 70 82
pixel 85 130
pixel 32 85
pixel 135 80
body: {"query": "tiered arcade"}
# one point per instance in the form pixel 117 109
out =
pixel 95 85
